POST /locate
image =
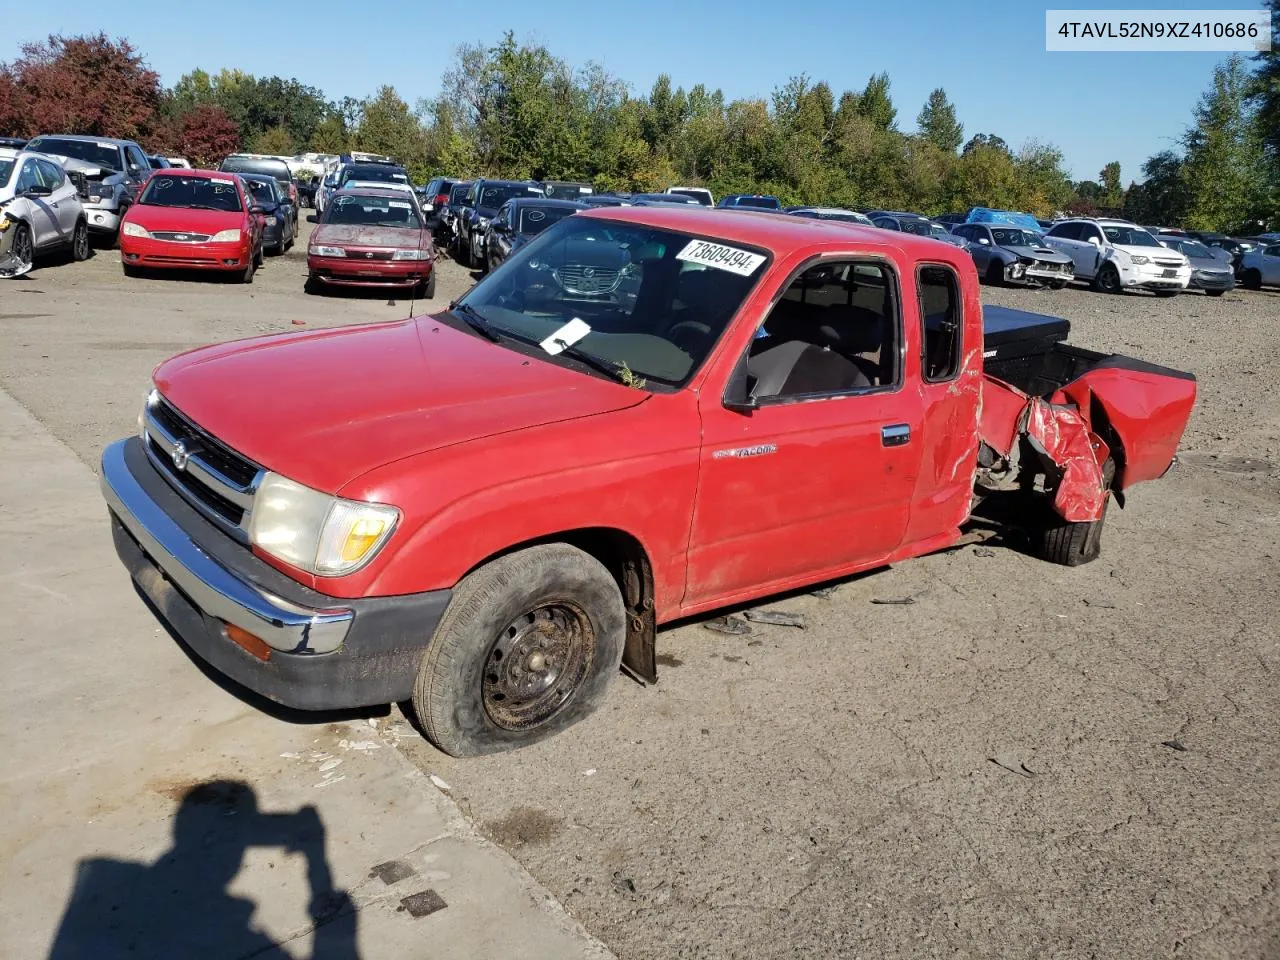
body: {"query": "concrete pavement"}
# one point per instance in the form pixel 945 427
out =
pixel 151 812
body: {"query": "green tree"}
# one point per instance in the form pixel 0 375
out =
pixel 330 135
pixel 938 124
pixel 986 140
pixel 273 140
pixel 1266 91
pixel 1109 178
pixel 1225 163
pixel 874 102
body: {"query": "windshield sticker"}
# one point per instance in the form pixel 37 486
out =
pixel 106 146
pixel 566 336
pixel 398 204
pixel 741 262
pixel 221 180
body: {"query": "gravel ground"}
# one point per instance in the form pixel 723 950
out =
pixel 1028 760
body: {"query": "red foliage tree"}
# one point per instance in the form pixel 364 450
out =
pixel 89 85
pixel 10 120
pixel 207 136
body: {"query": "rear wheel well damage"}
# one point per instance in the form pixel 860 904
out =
pixel 626 560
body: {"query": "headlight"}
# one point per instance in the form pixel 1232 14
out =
pixel 272 219
pixel 324 535
pixel 410 255
pixel 152 398
pixel 133 230
pixel 328 251
pixel 1138 259
pixel 227 236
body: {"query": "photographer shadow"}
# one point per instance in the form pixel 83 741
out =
pixel 180 905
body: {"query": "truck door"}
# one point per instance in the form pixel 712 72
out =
pixel 817 478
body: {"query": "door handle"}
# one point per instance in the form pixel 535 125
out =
pixel 895 435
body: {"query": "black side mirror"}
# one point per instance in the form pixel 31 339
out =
pixel 37 190
pixel 257 208
pixel 738 395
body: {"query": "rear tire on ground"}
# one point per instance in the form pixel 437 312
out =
pixel 429 288
pixel 1067 543
pixel 312 286
pixel 1251 280
pixel 1108 279
pixel 80 242
pixel 995 273
pixel 1167 293
pixel 528 647
pixel 246 275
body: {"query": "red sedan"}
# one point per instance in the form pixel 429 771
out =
pixel 371 237
pixel 193 219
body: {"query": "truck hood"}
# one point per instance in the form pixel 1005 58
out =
pixel 325 407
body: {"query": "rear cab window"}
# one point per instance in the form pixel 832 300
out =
pixel 939 292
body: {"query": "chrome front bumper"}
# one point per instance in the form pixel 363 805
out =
pixel 207 583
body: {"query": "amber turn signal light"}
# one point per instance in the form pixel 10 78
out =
pixel 247 641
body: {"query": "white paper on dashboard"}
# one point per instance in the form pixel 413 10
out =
pixel 566 336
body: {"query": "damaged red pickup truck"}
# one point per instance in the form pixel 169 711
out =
pixel 644 414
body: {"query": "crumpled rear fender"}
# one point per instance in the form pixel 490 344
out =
pixel 1121 409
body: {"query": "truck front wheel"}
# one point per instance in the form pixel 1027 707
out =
pixel 527 647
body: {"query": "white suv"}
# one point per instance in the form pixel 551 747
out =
pixel 1117 255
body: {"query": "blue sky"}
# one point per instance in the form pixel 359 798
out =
pixel 988 56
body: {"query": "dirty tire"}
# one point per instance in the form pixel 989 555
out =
pixel 1071 544
pixel 313 286
pixel 449 694
pixel 246 275
pixel 80 241
pixel 23 250
pixel 133 272
pixel 1251 280
pixel 1057 284
pixel 429 288
pixel 1108 279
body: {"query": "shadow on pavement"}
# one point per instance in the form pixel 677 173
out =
pixel 180 906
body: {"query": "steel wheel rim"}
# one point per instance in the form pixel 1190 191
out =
pixel 22 246
pixel 81 241
pixel 536 664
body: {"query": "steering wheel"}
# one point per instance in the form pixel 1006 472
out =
pixel 688 333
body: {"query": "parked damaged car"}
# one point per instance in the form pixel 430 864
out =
pixel 113 171
pixel 482 203
pixel 40 212
pixel 519 221
pixel 1211 270
pixel 371 237
pixel 490 509
pixel 1015 255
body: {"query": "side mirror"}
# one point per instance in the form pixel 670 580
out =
pixel 984 241
pixel 737 396
pixel 37 190
pixel 1095 241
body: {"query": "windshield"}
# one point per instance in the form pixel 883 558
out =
pixel 275 169
pixel 653 302
pixel 1193 249
pixel 263 191
pixel 100 154
pixel 1015 238
pixel 1130 237
pixel 380 173
pixel 458 193
pixel 921 228
pixel 536 219
pixel 201 193
pixel 759 202
pixel 498 194
pixel 373 212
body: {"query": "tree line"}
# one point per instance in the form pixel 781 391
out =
pixel 516 110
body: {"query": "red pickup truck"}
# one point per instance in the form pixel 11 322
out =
pixel 645 414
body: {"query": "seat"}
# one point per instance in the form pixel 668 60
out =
pixel 795 368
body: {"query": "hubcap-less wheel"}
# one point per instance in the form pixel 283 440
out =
pixel 537 663
pixel 22 248
pixel 80 242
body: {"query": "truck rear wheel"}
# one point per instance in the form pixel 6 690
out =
pixel 528 647
pixel 1067 543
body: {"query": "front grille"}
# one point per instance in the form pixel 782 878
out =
pixel 1168 264
pixel 175 237
pixel 587 281
pixel 214 478
pixel 358 255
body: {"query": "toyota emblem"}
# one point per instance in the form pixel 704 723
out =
pixel 180 456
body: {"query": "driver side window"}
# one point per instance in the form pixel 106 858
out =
pixel 835 331
pixel 28 178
